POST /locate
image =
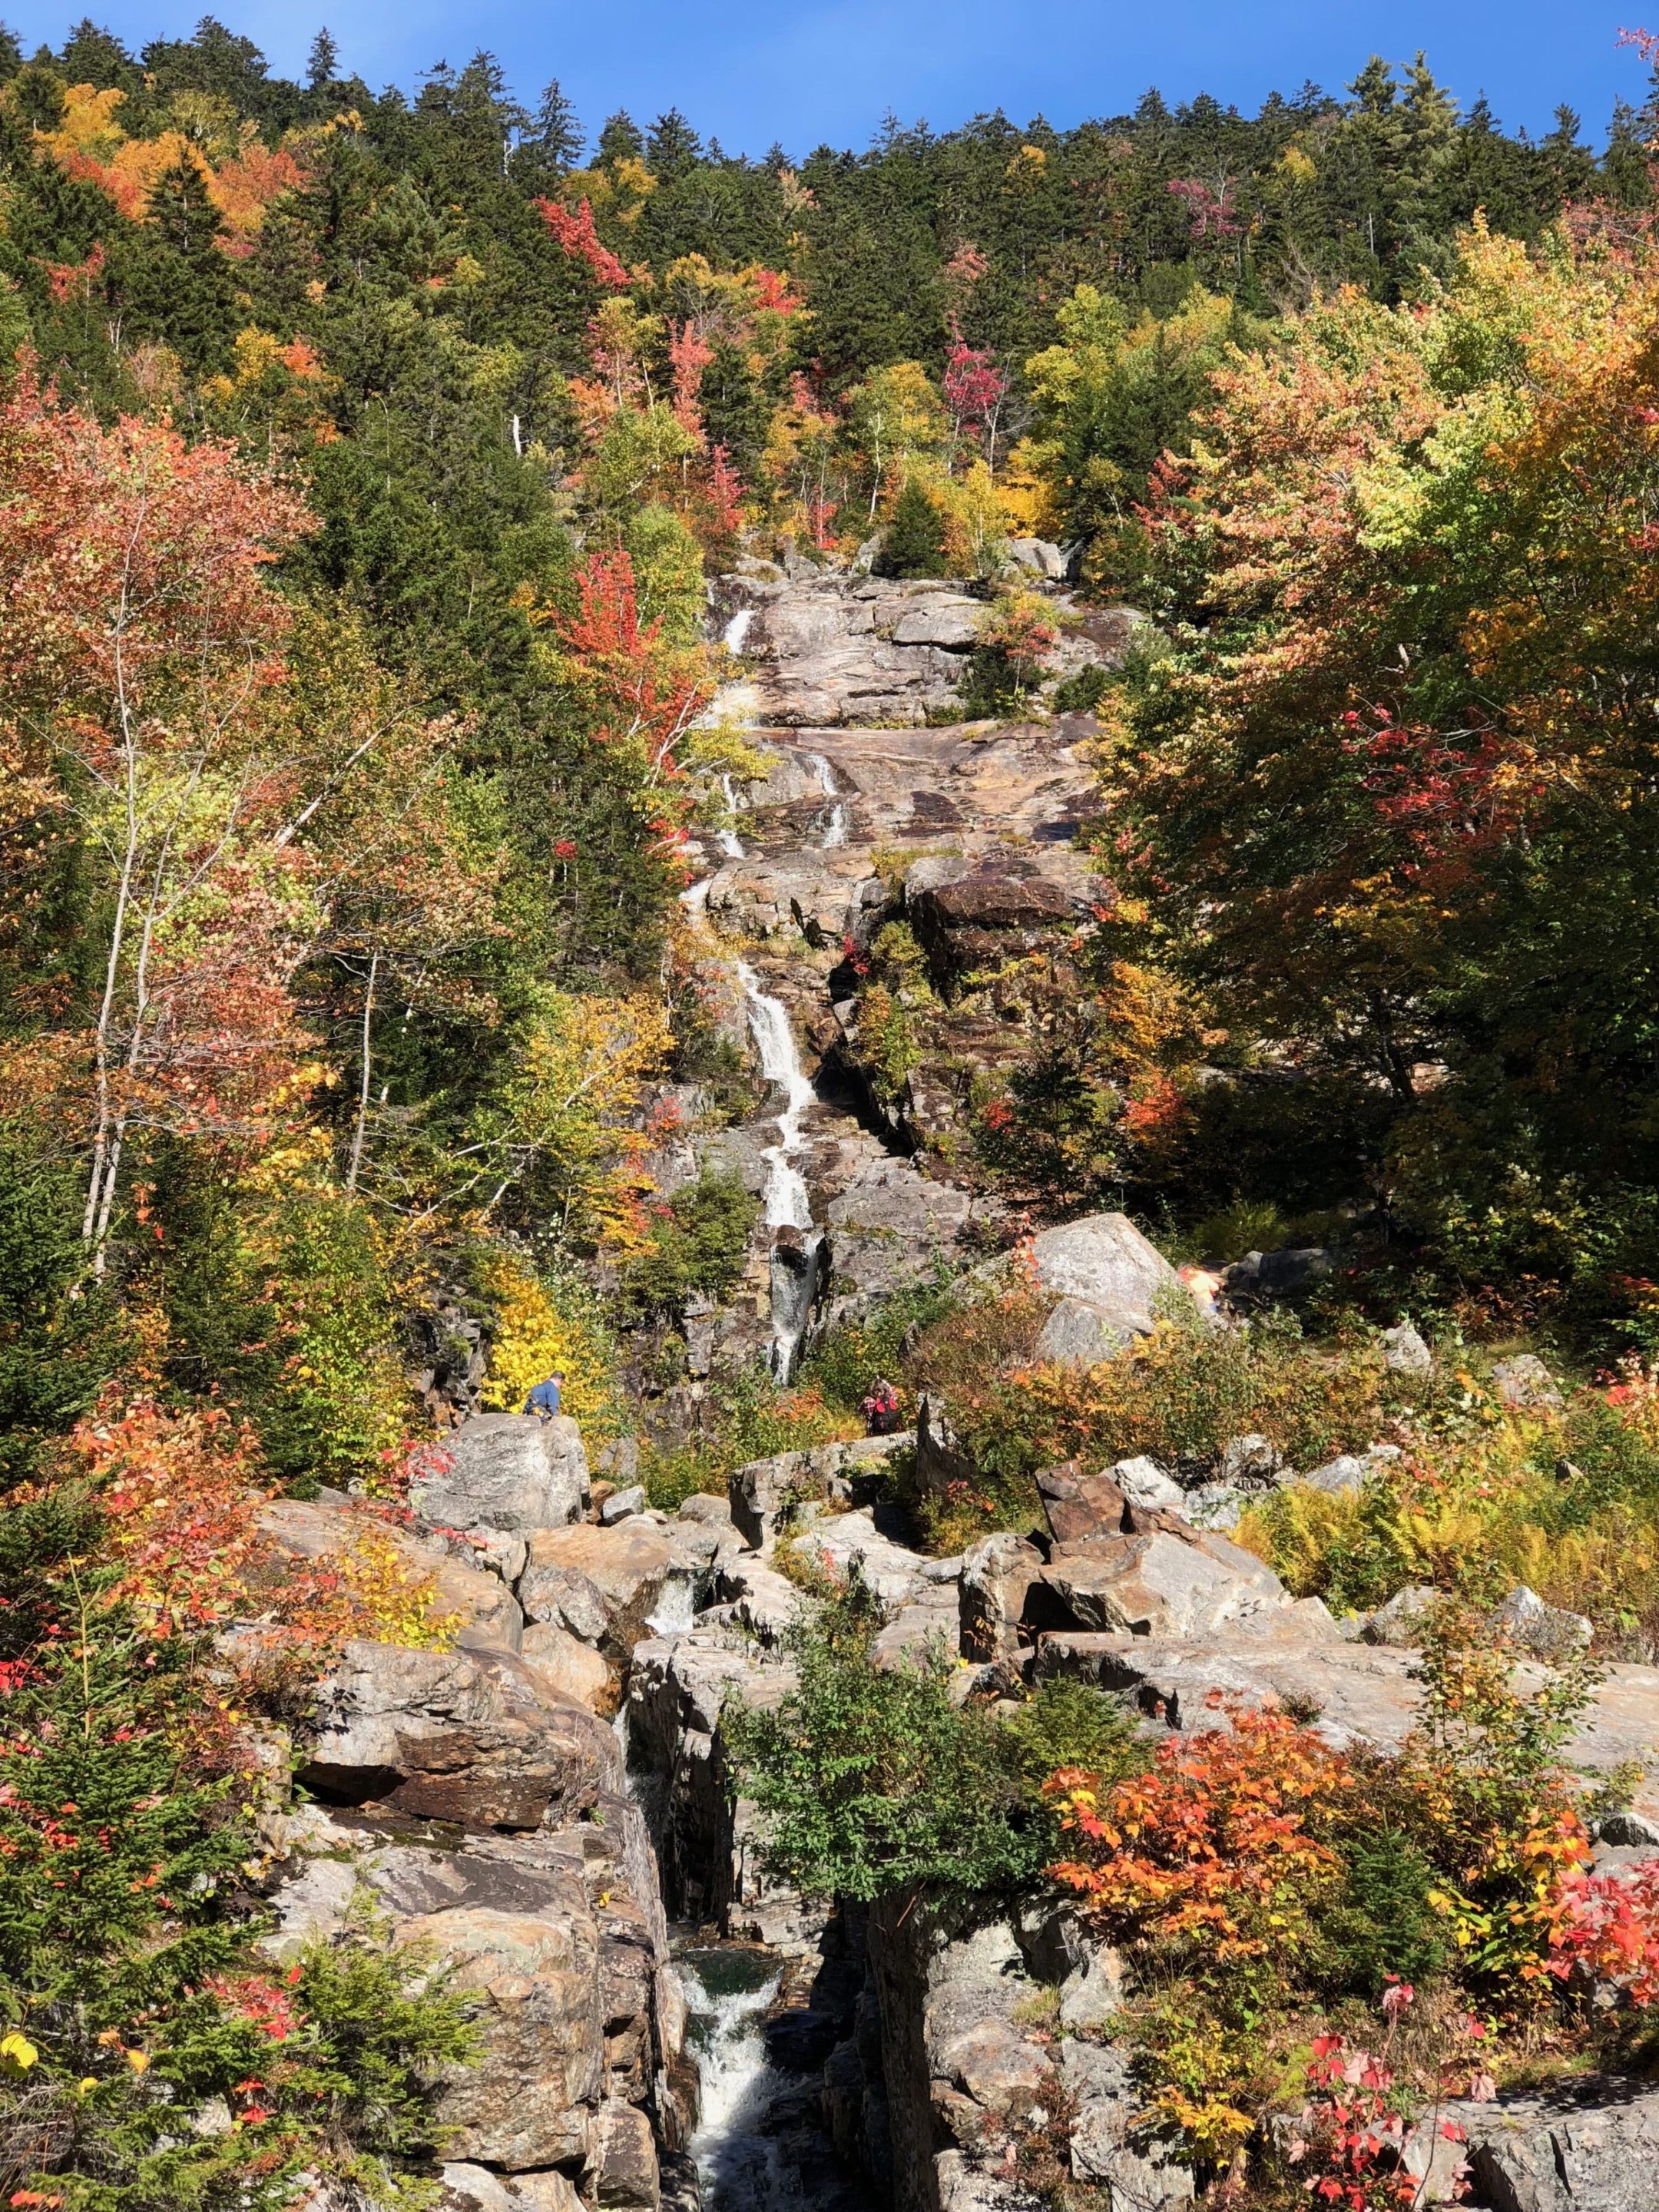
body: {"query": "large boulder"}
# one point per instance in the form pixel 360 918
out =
pixel 1588 2147
pixel 1158 1584
pixel 479 1738
pixel 1078 1334
pixel 627 1566
pixel 1114 2143
pixel 530 2098
pixel 574 1669
pixel 997 1574
pixel 294 1531
pixel 990 914
pixel 893 1571
pixel 624 2158
pixel 506 1471
pixel 1103 1262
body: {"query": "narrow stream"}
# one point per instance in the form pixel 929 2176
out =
pixel 729 1992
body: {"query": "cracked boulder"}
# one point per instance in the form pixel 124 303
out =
pixel 477 1737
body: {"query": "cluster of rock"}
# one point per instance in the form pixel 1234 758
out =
pixel 832 649
pixel 478 1797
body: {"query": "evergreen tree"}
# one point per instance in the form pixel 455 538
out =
pixel 323 61
pixel 555 137
pixel 673 146
pixel 914 543
pixel 621 140
pixel 94 56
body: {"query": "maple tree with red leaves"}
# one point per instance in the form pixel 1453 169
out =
pixel 576 233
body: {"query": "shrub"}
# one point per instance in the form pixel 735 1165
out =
pixel 697 1243
pixel 1179 1396
pixel 870 1783
pixel 1082 694
pixel 1382 1925
pixel 1018 632
pixel 855 1354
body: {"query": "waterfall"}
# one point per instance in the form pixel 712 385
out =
pixel 794 1257
pixel 835 818
pixel 729 1994
pixel 737 628
pixel 728 840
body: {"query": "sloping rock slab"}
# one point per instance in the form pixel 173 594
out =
pixel 895 1574
pixel 293 1530
pixel 1361 1693
pixel 1595 2149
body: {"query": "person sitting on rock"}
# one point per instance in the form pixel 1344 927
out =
pixel 881 1410
pixel 544 1400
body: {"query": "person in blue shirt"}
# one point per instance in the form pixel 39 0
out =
pixel 544 1400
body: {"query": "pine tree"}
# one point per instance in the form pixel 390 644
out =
pixel 556 135
pixel 323 61
pixel 914 542
pixel 621 140
pixel 673 146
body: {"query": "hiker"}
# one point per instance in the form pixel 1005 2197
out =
pixel 881 1410
pixel 544 1400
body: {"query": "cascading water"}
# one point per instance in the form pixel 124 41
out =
pixel 728 840
pixel 737 628
pixel 836 818
pixel 728 1995
pixel 794 1256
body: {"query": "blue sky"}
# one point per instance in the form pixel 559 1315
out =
pixel 799 71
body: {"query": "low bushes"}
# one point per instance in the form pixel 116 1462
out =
pixel 1485 1497
pixel 750 1418
pixel 1268 1894
pixel 1179 1396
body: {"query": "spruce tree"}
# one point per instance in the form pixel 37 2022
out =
pixel 915 542
pixel 322 63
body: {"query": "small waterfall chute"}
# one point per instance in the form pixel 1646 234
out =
pixel 727 839
pixel 834 820
pixel 796 1243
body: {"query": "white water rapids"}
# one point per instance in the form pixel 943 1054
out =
pixel 737 2165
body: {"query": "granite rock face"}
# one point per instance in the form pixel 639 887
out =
pixel 479 1738
pixel 530 2098
pixel 509 1472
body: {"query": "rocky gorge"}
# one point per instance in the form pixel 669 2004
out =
pixel 551 1807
